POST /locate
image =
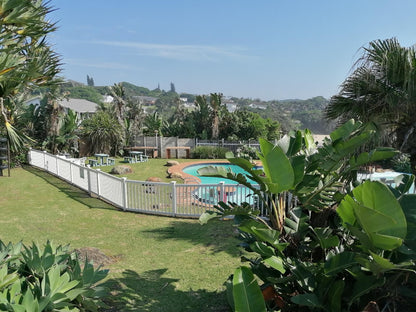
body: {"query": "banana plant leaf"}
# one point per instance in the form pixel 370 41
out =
pixel 246 292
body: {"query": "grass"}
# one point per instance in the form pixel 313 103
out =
pixel 154 167
pixel 163 264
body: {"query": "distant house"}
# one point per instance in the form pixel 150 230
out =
pixel 146 100
pixel 83 108
pixel 230 105
pixel 258 106
pixel 107 98
pixel 34 101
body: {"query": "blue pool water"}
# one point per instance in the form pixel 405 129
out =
pixel 209 191
pixel 193 170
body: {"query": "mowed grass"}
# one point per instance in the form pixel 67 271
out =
pixel 154 167
pixel 161 264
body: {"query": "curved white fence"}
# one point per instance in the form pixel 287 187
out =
pixel 186 200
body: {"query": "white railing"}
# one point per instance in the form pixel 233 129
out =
pixel 186 200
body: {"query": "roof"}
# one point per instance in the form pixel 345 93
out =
pixel 79 105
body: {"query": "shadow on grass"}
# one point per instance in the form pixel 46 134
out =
pixel 150 291
pixel 217 235
pixel 70 190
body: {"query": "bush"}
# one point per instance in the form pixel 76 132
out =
pixel 209 152
pixel 47 279
pixel 401 163
pixel 247 152
pixel 334 248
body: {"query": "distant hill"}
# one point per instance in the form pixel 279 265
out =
pixel 292 114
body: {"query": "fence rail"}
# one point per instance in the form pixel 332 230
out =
pixel 171 199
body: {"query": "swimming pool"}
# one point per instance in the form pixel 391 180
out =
pixel 193 170
pixel 210 191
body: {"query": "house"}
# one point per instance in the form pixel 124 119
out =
pixel 33 101
pixel 258 106
pixel 146 100
pixel 230 105
pixel 83 108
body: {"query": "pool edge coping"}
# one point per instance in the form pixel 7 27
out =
pixel 186 177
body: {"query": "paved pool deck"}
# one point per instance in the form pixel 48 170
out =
pixel 190 179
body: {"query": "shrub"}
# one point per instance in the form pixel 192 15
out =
pixel 209 152
pixel 47 279
pixel 332 249
pixel 248 152
pixel 401 163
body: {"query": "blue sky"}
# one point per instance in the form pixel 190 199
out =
pixel 277 49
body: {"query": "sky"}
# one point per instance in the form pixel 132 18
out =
pixel 272 50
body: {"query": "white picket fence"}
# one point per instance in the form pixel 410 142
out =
pixel 172 199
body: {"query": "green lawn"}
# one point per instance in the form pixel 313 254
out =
pixel 155 167
pixel 161 264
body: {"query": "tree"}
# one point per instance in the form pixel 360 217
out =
pixel 90 81
pixel 118 93
pixel 215 101
pixel 26 59
pixel 172 88
pixel 102 133
pixel 152 123
pixel 382 90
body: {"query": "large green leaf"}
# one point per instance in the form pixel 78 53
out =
pixel 246 292
pixel 376 196
pixel 345 130
pixel 276 263
pixel 363 285
pixel 339 262
pixel 278 169
pixel 325 239
pixel 335 295
pixel 309 300
pixel 408 204
pixel 378 213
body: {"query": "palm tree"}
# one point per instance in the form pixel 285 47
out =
pixel 382 90
pixel 26 60
pixel 215 101
pixel 102 133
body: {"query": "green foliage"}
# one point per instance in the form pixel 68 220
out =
pixel 209 152
pixel 102 132
pixel 401 163
pixel 26 60
pixel 47 279
pixel 312 258
pixel 83 92
pixel 381 90
pixel 247 152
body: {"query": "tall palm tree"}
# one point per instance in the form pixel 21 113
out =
pixel 215 101
pixel 382 90
pixel 26 60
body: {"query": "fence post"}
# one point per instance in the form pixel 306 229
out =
pixel 89 178
pixel 98 183
pixel 222 192
pixel 71 173
pixel 124 188
pixel 57 166
pixel 29 156
pixel 44 160
pixel 173 183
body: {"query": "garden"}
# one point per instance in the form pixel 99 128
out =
pixel 329 242
pixel 155 263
